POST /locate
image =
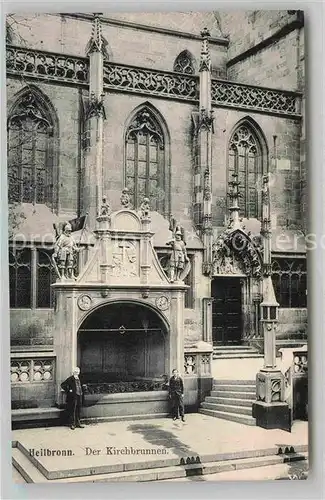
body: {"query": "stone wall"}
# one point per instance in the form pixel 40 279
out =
pixel 31 326
pixel 70 35
pixel 292 324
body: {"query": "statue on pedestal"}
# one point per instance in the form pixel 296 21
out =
pixel 179 263
pixel 125 198
pixel 65 250
pixel 105 209
pixel 145 209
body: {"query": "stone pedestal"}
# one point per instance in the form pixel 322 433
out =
pixel 270 411
pixel 272 415
pixel 197 374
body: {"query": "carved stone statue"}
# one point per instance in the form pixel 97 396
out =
pixel 145 209
pixel 105 209
pixel 125 198
pixel 179 263
pixel 65 250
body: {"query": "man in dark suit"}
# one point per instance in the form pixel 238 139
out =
pixel 176 394
pixel 74 391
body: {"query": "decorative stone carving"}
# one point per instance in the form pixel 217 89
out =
pixel 122 387
pixel 65 250
pixel 95 106
pixel 207 186
pixel 105 209
pixel 28 107
pixel 32 370
pixel 125 260
pixel 206 119
pixel 125 198
pixel 300 363
pixel 145 209
pixel 246 97
pixel 145 293
pixel 84 302
pixel 205 60
pixel 276 387
pixel 261 388
pixel 97 42
pixel 47 66
pixel 235 253
pixel 163 303
pixel 152 82
pixel 146 122
pixel 189 364
pixel 184 63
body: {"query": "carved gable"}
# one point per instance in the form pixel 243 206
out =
pixel 123 253
pixel 235 253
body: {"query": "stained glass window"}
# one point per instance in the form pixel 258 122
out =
pixel 245 159
pixel 290 282
pixel 30 170
pixel 28 266
pixel 145 172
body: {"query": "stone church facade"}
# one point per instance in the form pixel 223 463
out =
pixel 201 113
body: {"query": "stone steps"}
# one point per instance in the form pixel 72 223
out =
pixel 241 410
pixel 211 465
pixel 233 387
pixel 234 417
pixel 235 352
pixel 234 395
pixel 231 400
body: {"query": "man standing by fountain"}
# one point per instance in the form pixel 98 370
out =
pixel 176 394
pixel 74 391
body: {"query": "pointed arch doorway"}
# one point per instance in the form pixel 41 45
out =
pixel 122 346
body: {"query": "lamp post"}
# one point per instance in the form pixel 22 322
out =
pixel 269 409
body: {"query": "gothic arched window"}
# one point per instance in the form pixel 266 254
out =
pixel 184 63
pixel 289 279
pixel 31 274
pixel 245 158
pixel 146 169
pixel 30 151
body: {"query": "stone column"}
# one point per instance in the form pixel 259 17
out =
pixel 270 410
pixel 207 319
pixel 176 344
pixel 145 250
pixel 205 129
pixel 65 334
pixel 104 234
pixel 95 114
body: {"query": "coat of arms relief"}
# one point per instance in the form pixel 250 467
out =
pixel 125 261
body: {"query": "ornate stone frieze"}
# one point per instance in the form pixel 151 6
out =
pixel 46 65
pixel 30 63
pixel 133 386
pixel 145 81
pixel 230 94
